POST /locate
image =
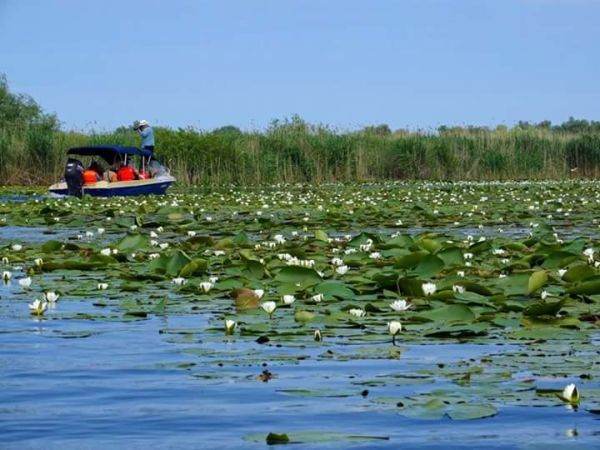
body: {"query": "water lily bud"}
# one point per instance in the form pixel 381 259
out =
pixel 25 282
pixel 268 307
pixel 102 286
pixel 429 288
pixel 51 297
pixel 318 336
pixel 400 305
pixel 179 281
pixel 357 312
pixel 394 327
pixel 342 270
pixel 206 286
pixel 288 299
pixel 230 326
pixel 570 394
pixel 6 275
pixel 5 260
pixel 318 298
pixel 457 288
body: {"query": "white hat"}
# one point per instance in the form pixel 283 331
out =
pixel 143 123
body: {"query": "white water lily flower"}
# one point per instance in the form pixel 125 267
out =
pixel 589 252
pixel 394 327
pixel 133 227
pixel 105 251
pixel 25 282
pixel 38 261
pixel 192 234
pixel 318 298
pixel 213 280
pixel 219 252
pixel 561 272
pixel 153 234
pixel 179 281
pixel 342 270
pixel 544 294
pixel 51 297
pixel 457 288
pixel 230 326
pixel 5 260
pixel 375 255
pixel 337 262
pixel 288 299
pixel 102 286
pixel 400 305
pixel 429 288
pixel 38 307
pixel 269 307
pixel 206 286
pixel 160 229
pixel 357 312
pixel 154 243
pixel 278 238
pixel 349 251
pixel 153 256
pixel 317 335
pixel 570 394
pixel 259 293
pixel 461 273
pixel 89 234
pixel 100 230
pixel 6 275
pixel 164 245
pixel 17 247
pixel 468 255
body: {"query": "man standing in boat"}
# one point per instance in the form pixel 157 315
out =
pixel 146 133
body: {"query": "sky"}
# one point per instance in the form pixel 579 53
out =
pixel 414 64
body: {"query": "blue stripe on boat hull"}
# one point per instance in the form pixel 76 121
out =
pixel 125 191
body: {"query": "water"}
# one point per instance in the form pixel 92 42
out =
pixel 71 383
pixel 167 382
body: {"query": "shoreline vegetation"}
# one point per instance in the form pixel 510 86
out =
pixel 33 147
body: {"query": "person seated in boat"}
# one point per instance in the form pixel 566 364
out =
pixel 111 174
pixel 92 174
pixel 127 173
pixel 146 132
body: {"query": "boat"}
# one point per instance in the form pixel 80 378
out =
pixel 113 154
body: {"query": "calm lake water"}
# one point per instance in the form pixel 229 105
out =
pixel 68 381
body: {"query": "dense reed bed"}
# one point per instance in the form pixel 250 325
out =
pixel 33 146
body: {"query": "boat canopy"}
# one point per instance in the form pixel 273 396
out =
pixel 109 153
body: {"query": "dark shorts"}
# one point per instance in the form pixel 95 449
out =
pixel 149 147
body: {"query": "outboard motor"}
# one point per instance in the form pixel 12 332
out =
pixel 74 177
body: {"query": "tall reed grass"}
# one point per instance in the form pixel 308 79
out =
pixel 33 151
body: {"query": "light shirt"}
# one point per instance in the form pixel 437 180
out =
pixel 147 135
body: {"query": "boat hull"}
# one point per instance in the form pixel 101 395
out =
pixel 154 186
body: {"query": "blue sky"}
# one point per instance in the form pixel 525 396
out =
pixel 347 63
